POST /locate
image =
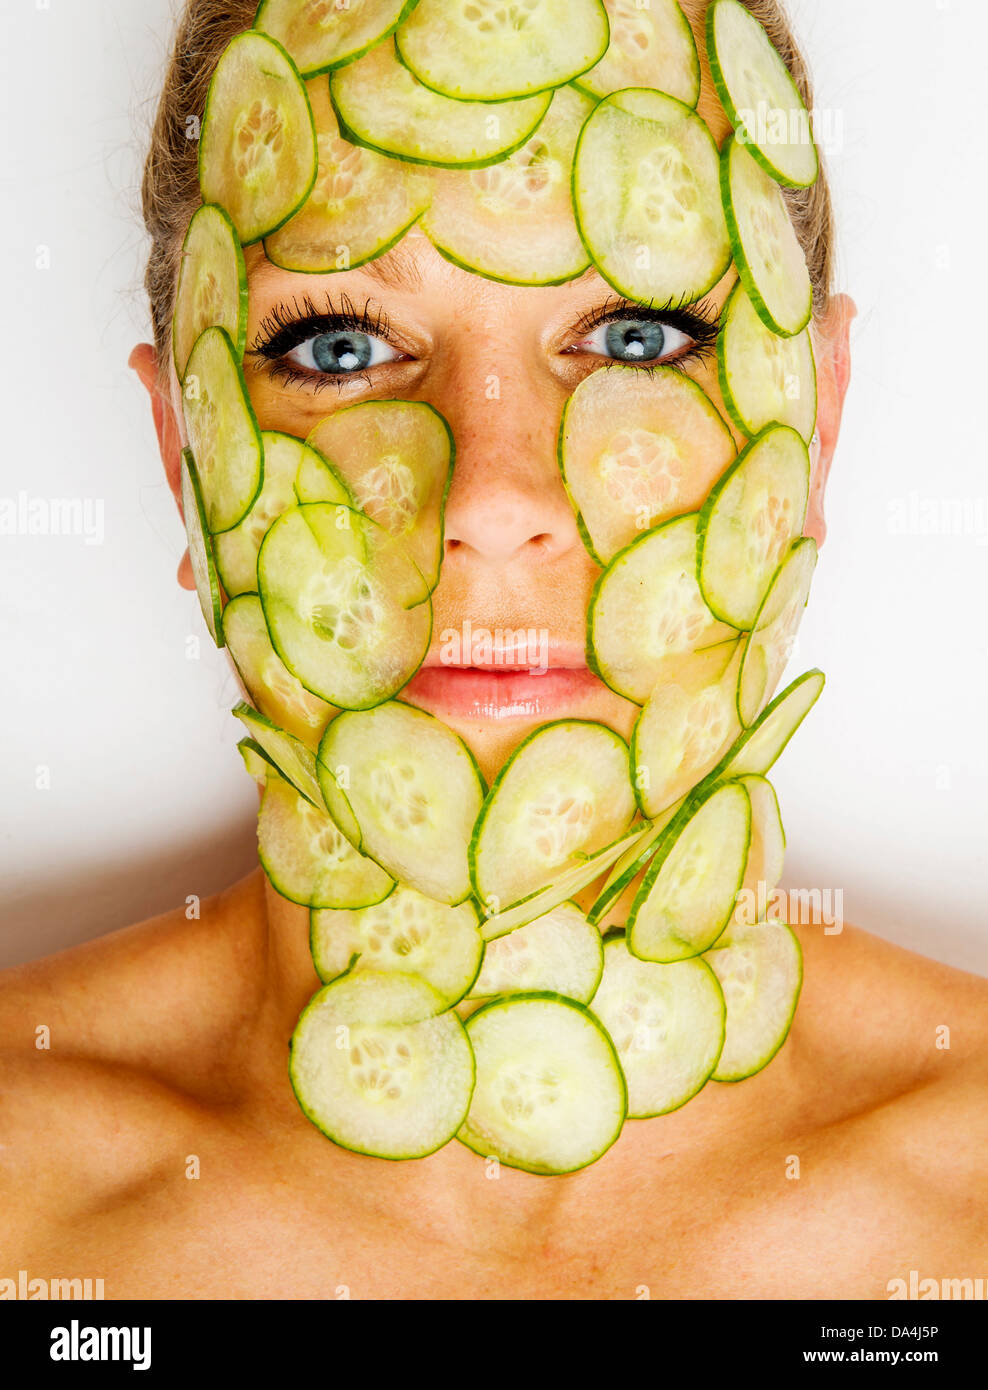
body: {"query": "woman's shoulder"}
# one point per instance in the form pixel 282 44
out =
pixel 892 1047
pixel 146 997
pixel 113 1052
pixel 866 1001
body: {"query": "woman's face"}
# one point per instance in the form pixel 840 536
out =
pixel 499 363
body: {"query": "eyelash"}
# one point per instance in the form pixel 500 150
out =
pixel 700 321
pixel 288 326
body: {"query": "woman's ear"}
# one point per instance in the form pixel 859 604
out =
pixel 831 346
pixel 144 361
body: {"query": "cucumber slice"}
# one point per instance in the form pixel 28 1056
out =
pixel 758 747
pixel 269 683
pixel 565 886
pixel 647 612
pixel 212 285
pixel 647 199
pixel 767 852
pixel 222 430
pixel 415 792
pixel 631 864
pixel 490 50
pixel 379 1069
pixel 563 794
pixel 256 761
pixel 769 646
pixel 749 522
pixel 691 886
pixel 200 549
pixel 405 932
pixel 685 728
pixel 236 549
pixel 767 252
pixel 651 45
pixel 550 1094
pixel 635 449
pixel 764 379
pixel 337 591
pixel 324 34
pixel 381 105
pixel 308 858
pixel 513 221
pixel 397 458
pixel 295 762
pixel 361 202
pixel 318 481
pixel 754 85
pixel 559 951
pixel 666 1023
pixel 760 969
pixel 257 151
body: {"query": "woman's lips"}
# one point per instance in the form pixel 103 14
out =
pixel 500 692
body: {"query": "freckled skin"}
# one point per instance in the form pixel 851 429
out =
pixel 170 1039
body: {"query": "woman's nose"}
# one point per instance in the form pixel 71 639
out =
pixel 507 501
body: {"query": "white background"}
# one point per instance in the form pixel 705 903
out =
pixel 885 788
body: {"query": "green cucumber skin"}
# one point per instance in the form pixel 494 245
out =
pixel 242 307
pixel 348 133
pixel 500 279
pixel 687 30
pixel 374 703
pixel 717 73
pixel 390 1158
pixel 323 769
pixel 623 290
pixel 354 959
pixel 800 543
pixel 667 842
pixel 489 802
pixel 733 1080
pixel 504 1001
pixel 747 734
pixel 312 124
pixel 707 784
pixel 251 413
pixel 242 708
pixel 591 655
pixel 580 523
pixel 705 512
pixel 741 260
pixel 351 57
pixel 696 960
pixel 251 745
pixel 743 426
pixel 633 758
pixel 353 265
pixel 216 625
pixel 516 96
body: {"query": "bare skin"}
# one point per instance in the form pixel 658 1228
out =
pixel 155 1142
pixel 169 1040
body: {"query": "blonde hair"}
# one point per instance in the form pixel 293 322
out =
pixel 170 187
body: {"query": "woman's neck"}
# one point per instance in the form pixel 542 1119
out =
pixel 474 1199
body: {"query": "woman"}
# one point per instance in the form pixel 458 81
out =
pixel 157 1139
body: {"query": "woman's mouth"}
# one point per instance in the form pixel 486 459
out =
pixel 523 683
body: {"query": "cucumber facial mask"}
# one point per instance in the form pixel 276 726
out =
pixel 528 139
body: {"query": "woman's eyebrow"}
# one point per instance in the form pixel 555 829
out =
pixel 396 269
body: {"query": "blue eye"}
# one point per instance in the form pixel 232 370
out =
pixel 340 352
pixel 636 340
